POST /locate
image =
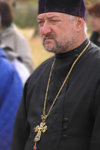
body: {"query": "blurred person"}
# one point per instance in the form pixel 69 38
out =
pixel 94 11
pixel 18 63
pixel 11 89
pixel 60 109
pixel 10 36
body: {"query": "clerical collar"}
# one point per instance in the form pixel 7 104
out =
pixel 75 51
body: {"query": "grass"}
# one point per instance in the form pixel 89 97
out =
pixel 38 53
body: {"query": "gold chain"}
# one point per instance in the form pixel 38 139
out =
pixel 62 84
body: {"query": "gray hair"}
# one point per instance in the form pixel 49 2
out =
pixel 73 17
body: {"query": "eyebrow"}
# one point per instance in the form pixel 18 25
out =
pixel 51 17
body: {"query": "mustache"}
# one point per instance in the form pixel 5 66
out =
pixel 48 36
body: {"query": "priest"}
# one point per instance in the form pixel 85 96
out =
pixel 60 109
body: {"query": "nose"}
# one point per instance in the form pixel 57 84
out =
pixel 45 29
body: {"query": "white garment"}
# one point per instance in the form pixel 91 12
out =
pixel 22 70
pixel 10 37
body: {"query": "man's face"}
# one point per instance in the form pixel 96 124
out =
pixel 0 27
pixel 57 31
pixel 95 21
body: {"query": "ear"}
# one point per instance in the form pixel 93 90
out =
pixel 79 24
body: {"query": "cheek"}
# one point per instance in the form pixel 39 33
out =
pixel 95 22
pixel 41 33
pixel 98 23
pixel 95 25
pixel 69 31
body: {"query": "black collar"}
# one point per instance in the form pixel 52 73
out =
pixel 73 52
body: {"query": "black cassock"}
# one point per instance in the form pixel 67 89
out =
pixel 74 122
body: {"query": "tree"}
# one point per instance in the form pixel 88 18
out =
pixel 89 2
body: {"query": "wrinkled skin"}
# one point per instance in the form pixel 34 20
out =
pixel 59 31
pixel 95 21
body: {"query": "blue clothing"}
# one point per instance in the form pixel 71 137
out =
pixel 10 96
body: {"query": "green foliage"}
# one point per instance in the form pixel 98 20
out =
pixel 89 2
pixel 26 14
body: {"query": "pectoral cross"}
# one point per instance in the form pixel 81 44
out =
pixel 39 130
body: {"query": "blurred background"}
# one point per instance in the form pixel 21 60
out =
pixel 25 17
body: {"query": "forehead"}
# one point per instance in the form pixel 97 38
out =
pixel 51 14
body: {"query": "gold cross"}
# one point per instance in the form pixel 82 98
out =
pixel 39 129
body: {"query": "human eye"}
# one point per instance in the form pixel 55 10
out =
pixel 54 21
pixel 41 23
